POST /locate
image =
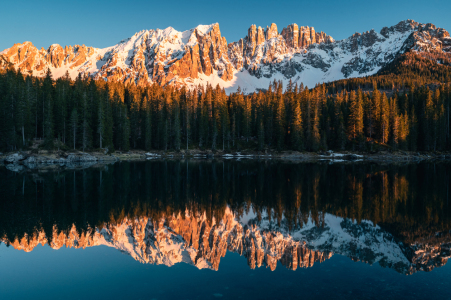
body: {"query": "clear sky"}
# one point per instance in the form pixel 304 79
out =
pixel 105 23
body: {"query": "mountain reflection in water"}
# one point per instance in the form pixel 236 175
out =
pixel 167 212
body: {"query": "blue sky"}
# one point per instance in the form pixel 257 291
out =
pixel 104 23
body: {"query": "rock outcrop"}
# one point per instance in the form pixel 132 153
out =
pixel 18 162
pixel 14 158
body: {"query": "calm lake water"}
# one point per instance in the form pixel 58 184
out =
pixel 192 229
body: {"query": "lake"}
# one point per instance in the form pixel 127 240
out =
pixel 226 229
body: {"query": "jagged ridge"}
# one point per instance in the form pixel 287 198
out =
pixel 201 55
pixel 196 241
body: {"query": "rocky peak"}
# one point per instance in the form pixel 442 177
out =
pixel 271 31
pixel 308 36
pixel 365 39
pixel 254 38
pixel 24 56
pixel 428 38
pixel 291 35
pixel 401 27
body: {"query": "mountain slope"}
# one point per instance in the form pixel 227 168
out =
pixel 201 55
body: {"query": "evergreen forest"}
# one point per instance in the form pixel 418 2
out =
pixel 406 106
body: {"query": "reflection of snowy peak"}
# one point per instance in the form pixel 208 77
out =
pixel 364 242
pixel 196 241
pixel 201 55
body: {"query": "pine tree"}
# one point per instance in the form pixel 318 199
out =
pixel 355 119
pixel 413 134
pixel 394 122
pixel 125 134
pixel 176 127
pixel 109 123
pixel 441 141
pixel 428 122
pixel 74 126
pixel 247 118
pixel 135 119
pixel 48 122
pixel 148 128
pixel 297 131
pixel 341 131
pixel 224 117
pixel 101 123
pixel 261 135
pixel 384 119
pixel 187 120
pixel 316 136
pixel 85 126
pixel 23 114
pixel 280 122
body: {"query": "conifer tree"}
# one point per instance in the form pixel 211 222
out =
pixel 384 119
pixel 428 122
pixel 187 120
pixel 280 122
pixel 297 132
pixel 355 119
pixel 316 136
pixel 176 127
pixel 135 119
pixel 74 126
pixel 247 118
pixel 148 128
pixel 85 126
pixel 23 114
pixel 261 135
pixel 394 122
pixel 101 123
pixel 48 122
pixel 224 119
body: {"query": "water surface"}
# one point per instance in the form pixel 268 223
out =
pixel 226 229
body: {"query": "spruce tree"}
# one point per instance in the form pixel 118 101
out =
pixel 74 126
pixel 296 130
pixel 280 122
pixel 48 122
pixel 385 119
pixel 176 127
pixel 101 123
pixel 148 128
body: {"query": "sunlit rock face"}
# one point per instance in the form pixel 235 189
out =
pixel 189 239
pixel 202 55
pixel 200 242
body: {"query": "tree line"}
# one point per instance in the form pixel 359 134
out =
pixel 358 114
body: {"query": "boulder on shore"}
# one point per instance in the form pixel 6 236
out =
pixel 81 158
pixel 14 158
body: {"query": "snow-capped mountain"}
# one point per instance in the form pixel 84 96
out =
pixel 202 243
pixel 201 55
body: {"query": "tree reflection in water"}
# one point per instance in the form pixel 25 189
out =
pixel 194 211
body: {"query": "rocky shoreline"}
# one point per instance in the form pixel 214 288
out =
pixel 28 160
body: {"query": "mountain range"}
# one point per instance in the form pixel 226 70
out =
pixel 195 240
pixel 202 55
